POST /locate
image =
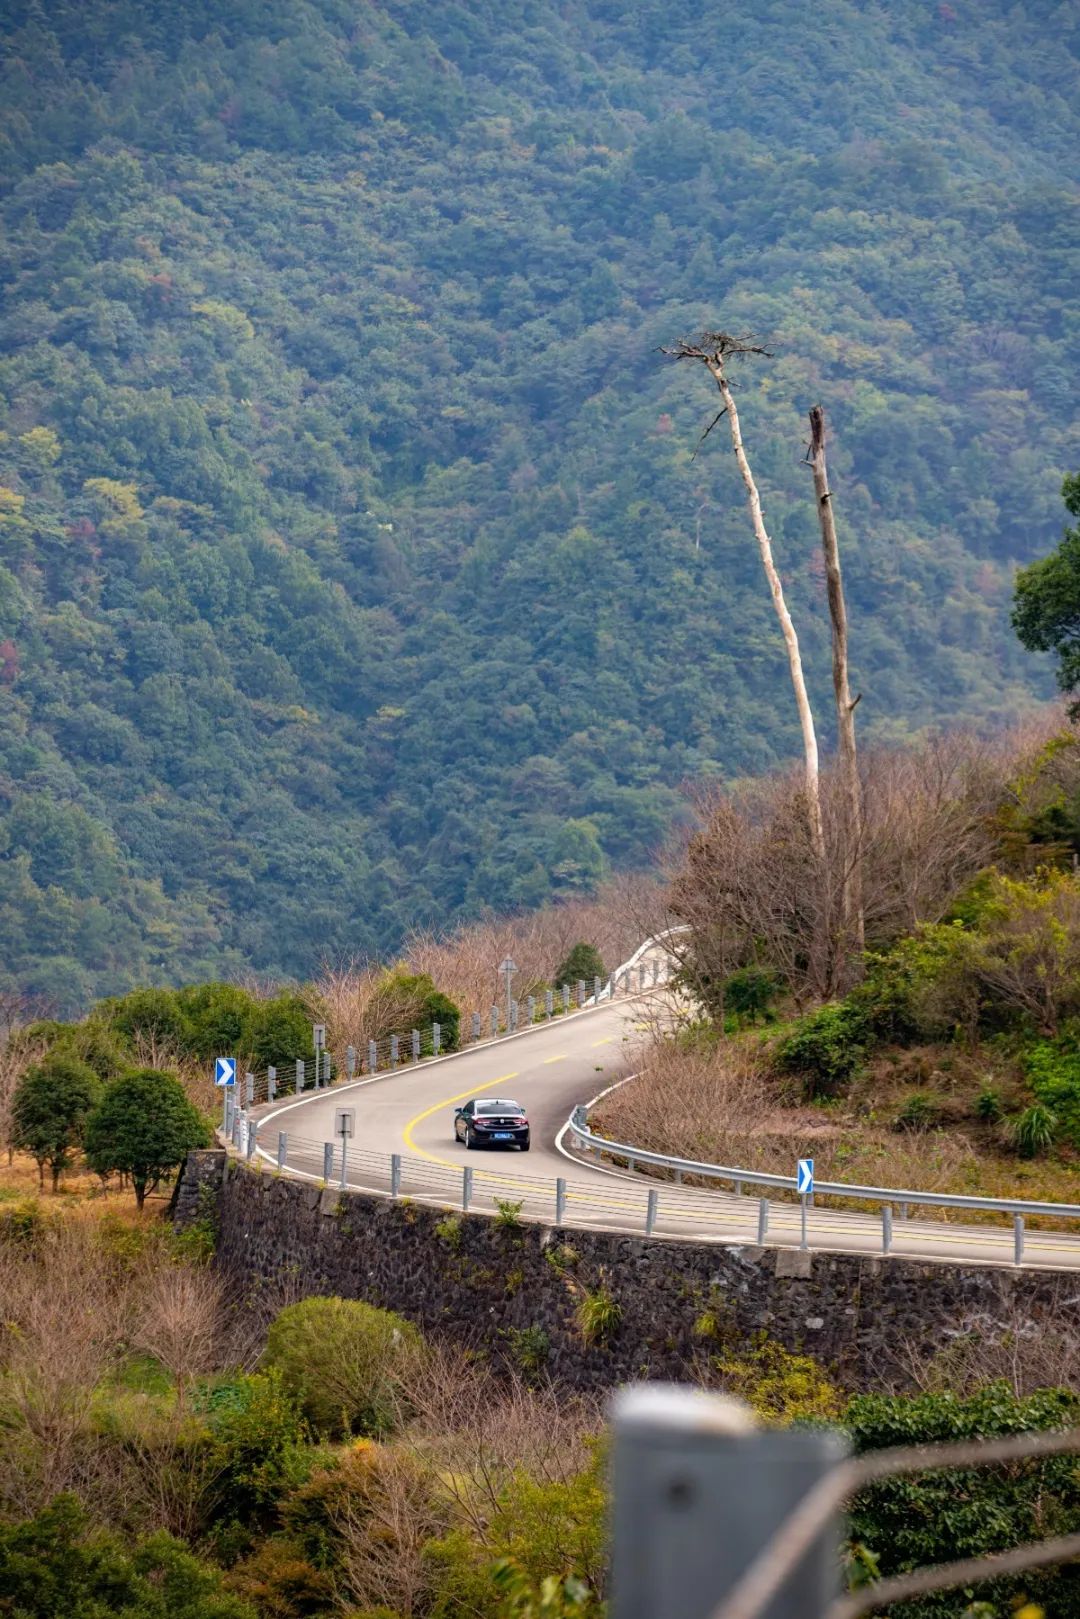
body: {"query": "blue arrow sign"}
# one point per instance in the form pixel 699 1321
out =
pixel 804 1178
pixel 225 1072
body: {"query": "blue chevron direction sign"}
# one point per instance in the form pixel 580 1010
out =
pixel 804 1177
pixel 225 1072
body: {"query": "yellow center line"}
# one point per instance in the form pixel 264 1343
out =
pixel 609 1041
pixel 437 1107
pixel 554 1059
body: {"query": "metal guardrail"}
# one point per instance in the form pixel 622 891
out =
pixel 887 1196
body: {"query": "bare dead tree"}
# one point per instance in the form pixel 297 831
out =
pixel 714 350
pixel 851 900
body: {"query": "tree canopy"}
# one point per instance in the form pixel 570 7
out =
pixel 355 571
pixel 144 1126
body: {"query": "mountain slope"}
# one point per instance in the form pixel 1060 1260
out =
pixel 356 571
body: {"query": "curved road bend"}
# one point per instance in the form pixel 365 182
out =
pixel 550 1069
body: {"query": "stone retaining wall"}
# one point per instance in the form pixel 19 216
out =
pixel 464 1277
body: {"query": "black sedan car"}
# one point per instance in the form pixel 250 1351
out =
pixel 492 1122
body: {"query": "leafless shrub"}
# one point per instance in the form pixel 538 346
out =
pixel 382 1530
pixel 178 1320
pixel 1028 1346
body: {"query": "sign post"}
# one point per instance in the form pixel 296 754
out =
pixel 225 1079
pixel 804 1185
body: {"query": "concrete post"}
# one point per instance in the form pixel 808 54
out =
pixel 372 1057
pixel 350 1061
pixel 530 1010
pixel 282 1149
pixel 466 1188
pixel 328 1162
pixel 581 992
pixel 436 1039
pixel 514 1007
pixel 299 1075
pixel 249 1088
pixel 560 1201
pixel 698 1493
pixel 271 1084
pixel 494 1021
pixel 476 1020
pixel 252 1138
pixel 566 997
pixel 886 1227
pixel 656 971
pixel 762 1220
pixel 328 1068
pixel 597 986
pixel 415 1037
pixel 395 1174
pixel 1018 1239
pixel 650 1212
pixel 394 1051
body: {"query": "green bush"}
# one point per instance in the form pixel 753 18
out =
pixel 827 1048
pixel 345 1362
pixel 277 1031
pixel 1032 1133
pixel 938 1516
pixel 582 965
pixel 750 992
pixel 411 1001
pixel 1052 1069
pixel 58 1563
pixel 216 1018
pixel 259 1452
pixel 154 1013
pixel 919 1111
pixel 988 1106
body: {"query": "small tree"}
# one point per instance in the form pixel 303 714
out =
pixel 49 1111
pixel 583 962
pixel 144 1126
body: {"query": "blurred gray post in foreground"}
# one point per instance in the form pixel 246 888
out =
pixel 698 1491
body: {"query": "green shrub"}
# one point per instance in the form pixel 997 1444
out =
pixel 988 1106
pixel 750 992
pixel 277 1031
pixel 826 1048
pixel 1033 1132
pixel 508 1214
pixel 598 1315
pixel 258 1451
pixel 153 1013
pixel 582 965
pixel 216 1018
pixel 920 1111
pixel 781 1387
pixel 1052 1069
pixel 345 1362
pixel 936 1517
pixel 530 1348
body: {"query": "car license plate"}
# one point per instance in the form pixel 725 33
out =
pixel 503 1135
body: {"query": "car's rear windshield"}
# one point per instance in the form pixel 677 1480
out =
pixel 499 1107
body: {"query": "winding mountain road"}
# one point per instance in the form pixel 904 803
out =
pixel 551 1068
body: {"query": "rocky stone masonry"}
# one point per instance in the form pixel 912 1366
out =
pixel 464 1277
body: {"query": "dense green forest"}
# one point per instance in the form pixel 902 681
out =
pixel 354 567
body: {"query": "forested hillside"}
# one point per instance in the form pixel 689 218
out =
pixel 355 569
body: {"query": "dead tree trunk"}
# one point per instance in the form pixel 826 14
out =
pixel 715 362
pixel 852 930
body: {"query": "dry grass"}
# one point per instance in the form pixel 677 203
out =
pixel 723 1106
pixel 81 1196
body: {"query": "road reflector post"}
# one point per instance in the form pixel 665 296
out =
pixel 415 1037
pixel 560 1201
pixel 328 1161
pixel 886 1227
pixel 698 1492
pixel 466 1188
pixel 762 1220
pixel 1018 1239
pixel 372 1057
pixel 282 1149
pixel 271 1084
pixel 299 1075
pixel 436 1039
pixel 350 1061
pixel 393 1051
pixel 650 1211
pixel 395 1174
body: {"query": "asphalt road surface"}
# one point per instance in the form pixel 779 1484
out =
pixel 550 1069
